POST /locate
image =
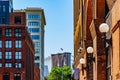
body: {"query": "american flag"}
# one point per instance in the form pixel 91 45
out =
pixel 61 49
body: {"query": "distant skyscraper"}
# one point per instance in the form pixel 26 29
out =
pixel 35 20
pixel 46 72
pixel 48 62
pixel 61 59
pixel 6 6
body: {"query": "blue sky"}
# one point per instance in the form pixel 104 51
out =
pixel 59 23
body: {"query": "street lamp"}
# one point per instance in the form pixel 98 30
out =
pixel 90 52
pixel 104 28
pixel 82 61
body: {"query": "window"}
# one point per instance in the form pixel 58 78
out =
pixel 8 55
pixel 17 76
pixel 8 65
pixel 0 55
pixel 8 32
pixel 37 64
pixel 18 65
pixel 0 32
pixel 33 16
pixel 0 64
pixel 8 44
pixel 0 43
pixel 3 20
pixel 0 8
pixel 17 20
pixel 35 37
pixel 34 30
pixel 18 55
pixel 37 58
pixel 33 24
pixel 18 44
pixel 37 51
pixel 37 44
pixel 18 32
pixel 4 8
pixel 6 76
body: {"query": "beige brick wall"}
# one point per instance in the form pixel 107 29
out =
pixel 116 53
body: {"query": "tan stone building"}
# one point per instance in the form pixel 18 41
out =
pixel 104 63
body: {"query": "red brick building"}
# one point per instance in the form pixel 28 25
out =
pixel 16 50
pixel 104 64
pixel 36 73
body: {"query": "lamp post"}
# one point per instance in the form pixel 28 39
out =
pixel 91 59
pixel 90 51
pixel 104 28
pixel 82 61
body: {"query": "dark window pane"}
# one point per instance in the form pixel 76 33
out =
pixel 35 37
pixel 17 76
pixel 18 32
pixel 18 20
pixel 37 64
pixel 8 32
pixel 6 76
pixel 3 20
pixel 37 58
pixel 0 32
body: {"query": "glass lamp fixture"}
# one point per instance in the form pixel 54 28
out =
pixel 104 27
pixel 82 61
pixel 90 49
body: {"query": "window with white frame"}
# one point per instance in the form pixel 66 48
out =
pixel 0 55
pixel 8 32
pixel 18 65
pixel 0 43
pixel 0 64
pixel 18 55
pixel 8 44
pixel 18 44
pixel 8 55
pixel 18 32
pixel 8 65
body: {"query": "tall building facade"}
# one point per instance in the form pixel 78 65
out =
pixel 104 62
pixel 16 50
pixel 35 20
pixel 61 59
pixel 6 6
